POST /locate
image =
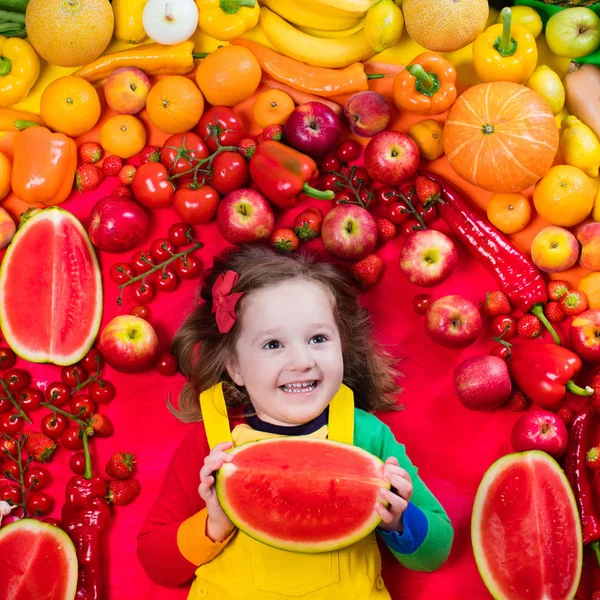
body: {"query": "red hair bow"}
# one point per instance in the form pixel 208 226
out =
pixel 224 302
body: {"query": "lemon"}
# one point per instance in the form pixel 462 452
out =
pixel 545 82
pixel 579 147
pixel 596 209
pixel 561 116
pixel 525 15
pixel 384 24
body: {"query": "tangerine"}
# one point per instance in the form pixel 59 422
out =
pixel 428 135
pixel 272 107
pixel 510 213
pixel 123 136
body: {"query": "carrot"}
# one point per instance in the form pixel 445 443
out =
pixel 300 97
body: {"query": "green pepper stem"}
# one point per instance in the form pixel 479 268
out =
pixel 318 194
pixel 426 83
pixel 579 391
pixel 375 76
pixel 505 44
pixel 5 66
pixel 86 454
pixel 230 7
pixel 20 125
pixel 538 311
pixel 200 54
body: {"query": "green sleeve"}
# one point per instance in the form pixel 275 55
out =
pixel 375 437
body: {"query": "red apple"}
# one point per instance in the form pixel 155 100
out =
pixel 482 382
pixel 540 430
pixel 453 321
pixel 312 128
pixel 391 157
pixel 129 344
pixel 428 257
pixel 245 215
pixel 368 113
pixel 349 232
pixel 584 335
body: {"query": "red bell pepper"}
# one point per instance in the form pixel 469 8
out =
pixel 544 372
pixel 281 173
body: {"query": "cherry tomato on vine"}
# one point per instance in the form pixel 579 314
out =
pixel 70 438
pixel 196 205
pixel 501 351
pixel 92 362
pixel 330 163
pixel 368 198
pixel 7 447
pixel 39 504
pixel 30 399
pixel 387 195
pixel 77 463
pixel 142 292
pixel 53 425
pixel 230 172
pixel 10 423
pixel 11 494
pixel 429 214
pixel 503 324
pixel 410 226
pixel 151 186
pixel 101 391
pixel 58 394
pixel 5 404
pixel 222 122
pixel 10 468
pixel 82 406
pixel 360 178
pixel 7 359
pixel 142 262
pixel 178 232
pixel 167 365
pixel 397 213
pixel 161 249
pixel 187 267
pixel 343 197
pixel 330 182
pixel 73 375
pixel 181 152
pixel 121 272
pixel 139 310
pixel 166 280
pixel 17 380
pixel 36 478
pixel 348 151
pixel 421 303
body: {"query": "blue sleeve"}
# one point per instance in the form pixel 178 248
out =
pixel 414 534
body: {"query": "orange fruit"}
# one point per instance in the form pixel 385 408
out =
pixel 228 75
pixel 70 105
pixel 428 135
pixel 590 286
pixel 69 33
pixel 123 136
pixel 5 173
pixel 272 107
pixel 510 213
pixel 174 104
pixel 564 196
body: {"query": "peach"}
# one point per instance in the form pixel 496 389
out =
pixel 589 237
pixel 554 249
pixel 126 90
pixel 590 286
pixel 7 228
pixel 368 113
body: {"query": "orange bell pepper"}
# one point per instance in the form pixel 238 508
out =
pixel 427 86
pixel 44 166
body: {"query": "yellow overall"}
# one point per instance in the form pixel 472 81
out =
pixel 249 570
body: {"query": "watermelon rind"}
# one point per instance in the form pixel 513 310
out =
pixel 302 547
pixel 54 214
pixel 64 543
pixel 476 535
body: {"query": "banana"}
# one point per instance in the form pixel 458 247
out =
pixel 305 15
pixel 351 6
pixel 320 52
pixel 320 33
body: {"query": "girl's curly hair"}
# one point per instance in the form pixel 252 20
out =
pixel 202 350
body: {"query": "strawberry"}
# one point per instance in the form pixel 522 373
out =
pixel 566 414
pixel 247 148
pixel 272 132
pixel 101 425
pixel 126 174
pixel 592 458
pixel 307 225
pixel 90 152
pixel 284 240
pixel 111 166
pixel 386 230
pixel 517 401
pixel 88 178
pixel 595 595
pixel 121 465
pixel 574 303
pixel 557 289
pixel 554 311
pixel 427 190
pixel 317 211
pixel 496 304
pixel 39 446
pixel 529 326
pixel 368 270
pixel 122 190
pixel 123 492
pixel 150 154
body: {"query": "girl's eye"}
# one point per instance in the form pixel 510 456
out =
pixel 272 345
pixel 317 339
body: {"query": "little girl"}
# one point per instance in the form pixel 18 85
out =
pixel 284 343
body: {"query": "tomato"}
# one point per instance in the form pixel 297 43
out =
pixel 501 351
pixel 39 504
pixel 360 178
pixel 73 375
pixel 167 365
pixel 30 399
pixel 11 494
pixel 429 214
pixel 187 267
pixel 368 198
pixel 17 380
pixel 7 359
pixel 53 425
pixel 8 447
pixel 343 197
pixel 196 205
pixel 161 249
pixel 222 123
pixel 77 463
pixel 142 292
pixel 142 262
pixel 70 437
pixel 348 151
pixel 504 324
pixel 330 163
pixel 58 394
pixel 166 280
pixel 121 272
pixel 387 195
pixel 82 406
pixel 92 362
pixel 37 478
pixel 421 303
pixel 10 468
pixel 139 310
pixel 10 423
pixel 179 152
pixel 151 186
pixel 397 213
pixel 230 172
pixel 179 234
pixel 410 227
pixel 5 404
pixel 101 391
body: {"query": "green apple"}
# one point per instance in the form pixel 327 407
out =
pixel 573 32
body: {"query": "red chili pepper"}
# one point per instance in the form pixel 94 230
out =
pixel 517 276
pixel 281 173
pixel 544 372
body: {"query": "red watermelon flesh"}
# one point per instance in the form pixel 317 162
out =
pixel 526 531
pixel 51 303
pixel 302 494
pixel 37 561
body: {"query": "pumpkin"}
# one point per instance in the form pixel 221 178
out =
pixel 501 136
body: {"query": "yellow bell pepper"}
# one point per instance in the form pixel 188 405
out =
pixel 505 52
pixel 19 70
pixel 227 20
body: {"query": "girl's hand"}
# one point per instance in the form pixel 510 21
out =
pixel 398 497
pixel 218 525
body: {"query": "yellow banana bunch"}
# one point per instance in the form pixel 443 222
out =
pixel 320 52
pixel 352 6
pixel 383 25
pixel 320 33
pixel 308 15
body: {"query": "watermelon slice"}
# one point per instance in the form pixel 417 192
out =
pixel 526 531
pixel 302 494
pixel 37 560
pixel 51 301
